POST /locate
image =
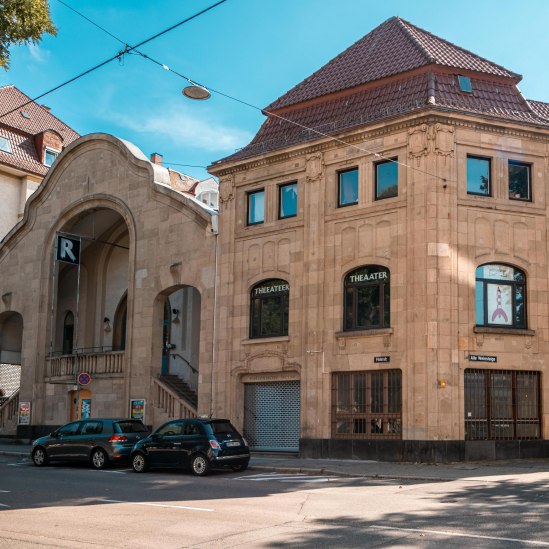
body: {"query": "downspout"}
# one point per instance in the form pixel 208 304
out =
pixel 215 230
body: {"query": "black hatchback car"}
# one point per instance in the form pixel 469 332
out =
pixel 199 444
pixel 98 441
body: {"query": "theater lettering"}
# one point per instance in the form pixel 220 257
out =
pixel 367 277
pixel 272 289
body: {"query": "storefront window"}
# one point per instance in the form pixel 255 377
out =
pixel 269 309
pixel 500 296
pixel 367 299
pixel 367 404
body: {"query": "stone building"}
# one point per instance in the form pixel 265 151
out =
pixel 110 273
pixel 383 260
pixel 31 138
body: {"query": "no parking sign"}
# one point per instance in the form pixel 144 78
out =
pixel 84 379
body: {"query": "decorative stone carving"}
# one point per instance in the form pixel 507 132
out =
pixel 226 189
pixel 444 140
pixel 418 142
pixel 314 167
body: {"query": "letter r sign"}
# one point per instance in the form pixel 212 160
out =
pixel 68 250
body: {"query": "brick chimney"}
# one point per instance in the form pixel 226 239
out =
pixel 157 158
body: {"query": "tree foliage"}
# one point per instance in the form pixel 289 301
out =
pixel 22 22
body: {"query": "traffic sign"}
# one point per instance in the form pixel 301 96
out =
pixel 84 379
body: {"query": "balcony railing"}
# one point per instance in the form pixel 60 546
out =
pixel 102 362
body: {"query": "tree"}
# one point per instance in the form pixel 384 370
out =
pixel 22 22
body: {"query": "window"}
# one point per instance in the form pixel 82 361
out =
pixel 386 179
pixel 465 84
pixel 367 300
pixel 500 296
pixel 92 428
pixel 287 200
pixel 68 430
pixel 478 176
pixel 347 188
pixel 520 187
pixel 68 333
pixel 502 404
pixel 269 309
pixel 49 157
pixel 256 207
pixel 174 428
pixel 5 144
pixel 367 404
pixel 210 198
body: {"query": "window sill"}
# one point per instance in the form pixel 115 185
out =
pixel 265 340
pixel 509 331
pixel 363 333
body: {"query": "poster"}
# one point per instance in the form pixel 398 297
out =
pixel 24 413
pixel 85 408
pixel 500 304
pixel 137 409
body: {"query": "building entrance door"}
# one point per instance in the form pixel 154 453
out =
pixel 272 416
pixel 80 404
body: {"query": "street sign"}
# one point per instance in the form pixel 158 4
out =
pixel 84 379
pixel 482 358
pixel 68 249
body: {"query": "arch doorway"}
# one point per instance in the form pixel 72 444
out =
pixel 80 404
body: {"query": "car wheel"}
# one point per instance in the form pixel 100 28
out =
pixel 200 465
pixel 140 463
pixel 40 457
pixel 99 459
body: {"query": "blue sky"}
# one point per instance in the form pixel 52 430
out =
pixel 254 50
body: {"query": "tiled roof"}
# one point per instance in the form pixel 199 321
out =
pixel 19 129
pixel 394 47
pixel 541 109
pixel 388 100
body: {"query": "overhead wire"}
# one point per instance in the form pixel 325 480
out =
pixel 127 49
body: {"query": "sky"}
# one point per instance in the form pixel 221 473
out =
pixel 251 50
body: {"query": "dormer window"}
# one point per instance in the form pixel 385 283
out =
pixel 49 157
pixel 465 84
pixel 5 144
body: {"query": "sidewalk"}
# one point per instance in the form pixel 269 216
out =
pixel 366 469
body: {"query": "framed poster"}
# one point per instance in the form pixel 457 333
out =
pixel 500 304
pixel 24 413
pixel 137 408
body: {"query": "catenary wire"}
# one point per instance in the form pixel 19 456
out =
pixel 127 49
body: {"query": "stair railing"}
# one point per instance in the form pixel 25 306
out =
pixel 8 413
pixel 171 403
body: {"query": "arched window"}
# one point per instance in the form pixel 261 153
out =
pixel 500 296
pixel 120 317
pixel 367 298
pixel 68 333
pixel 269 309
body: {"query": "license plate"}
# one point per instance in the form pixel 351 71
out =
pixel 233 443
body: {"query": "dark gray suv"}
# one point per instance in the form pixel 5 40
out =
pixel 98 441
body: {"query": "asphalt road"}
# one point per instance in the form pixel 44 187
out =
pixel 73 506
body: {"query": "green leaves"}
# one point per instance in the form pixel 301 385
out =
pixel 22 22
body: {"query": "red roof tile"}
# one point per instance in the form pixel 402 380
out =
pixel 394 47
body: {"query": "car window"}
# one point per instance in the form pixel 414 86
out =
pixel 92 428
pixel 69 429
pixel 192 429
pixel 223 428
pixel 170 429
pixel 131 427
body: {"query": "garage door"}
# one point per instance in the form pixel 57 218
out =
pixel 271 416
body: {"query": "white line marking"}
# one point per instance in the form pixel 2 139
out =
pixel 4 505
pixel 115 472
pixel 459 535
pixel 5 491
pixel 157 505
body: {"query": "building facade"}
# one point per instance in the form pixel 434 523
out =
pixel 383 279
pixel 106 285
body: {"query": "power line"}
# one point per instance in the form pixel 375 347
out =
pixel 127 49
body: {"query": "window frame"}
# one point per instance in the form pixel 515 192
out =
pixel 484 158
pixel 256 332
pixel 364 408
pixel 280 188
pixel 249 194
pixel 527 165
pixel 513 284
pixel 465 84
pixel 376 177
pixel 9 148
pixel 53 151
pixel 384 294
pixel 339 174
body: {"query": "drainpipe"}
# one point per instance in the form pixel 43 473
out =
pixel 215 230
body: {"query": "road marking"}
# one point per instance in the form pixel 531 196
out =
pixel 5 491
pixel 4 505
pixel 279 477
pixel 459 535
pixel 157 505
pixel 115 472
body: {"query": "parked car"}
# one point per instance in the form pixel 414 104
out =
pixel 99 441
pixel 198 444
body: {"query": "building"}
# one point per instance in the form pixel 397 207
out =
pixel 106 287
pixel 382 285
pixel 31 138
